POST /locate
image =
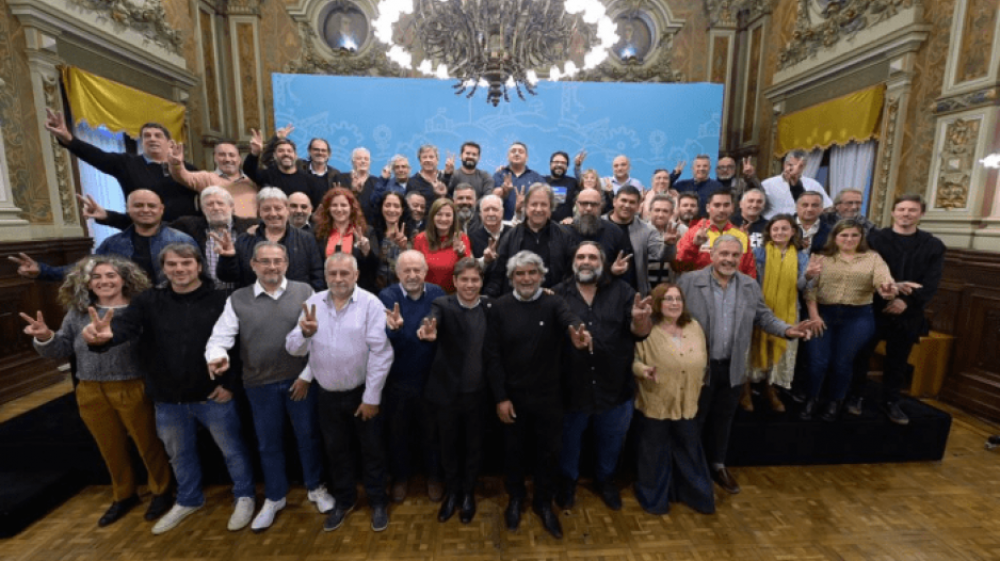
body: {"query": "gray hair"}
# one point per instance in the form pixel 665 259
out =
pixel 490 197
pixel 416 193
pixel 662 197
pixel 756 190
pixel 216 190
pixel 839 197
pixel 425 147
pixel 412 253
pixel 271 193
pixel 544 188
pixel 464 187
pixel 525 258
pixel 798 154
pixel 727 238
pixel 396 158
pixel 341 256
pixel 359 150
pixel 269 243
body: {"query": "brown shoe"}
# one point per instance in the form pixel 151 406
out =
pixel 746 398
pixel 724 479
pixel 399 490
pixel 435 490
pixel 772 397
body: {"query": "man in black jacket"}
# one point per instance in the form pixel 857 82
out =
pixel 913 256
pixel 173 324
pixel 538 234
pixel 457 385
pixel 524 336
pixel 599 386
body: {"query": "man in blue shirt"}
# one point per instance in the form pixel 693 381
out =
pixel 702 184
pixel 515 178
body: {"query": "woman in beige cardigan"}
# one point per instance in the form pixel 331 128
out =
pixel 670 367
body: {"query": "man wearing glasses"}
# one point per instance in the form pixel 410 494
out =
pixel 847 206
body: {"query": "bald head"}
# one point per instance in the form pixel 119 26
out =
pixel 145 209
pixel 621 167
pixel 299 209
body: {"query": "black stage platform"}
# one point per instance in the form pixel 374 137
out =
pixel 47 455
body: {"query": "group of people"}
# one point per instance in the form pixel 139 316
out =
pixel 423 306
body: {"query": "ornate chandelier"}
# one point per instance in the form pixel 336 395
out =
pixel 498 44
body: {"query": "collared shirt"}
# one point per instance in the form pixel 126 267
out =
pixel 535 296
pixel 780 199
pixel 239 177
pixel 723 318
pixel 212 257
pixel 615 185
pixel 850 281
pixel 228 325
pixel 808 233
pixel 350 348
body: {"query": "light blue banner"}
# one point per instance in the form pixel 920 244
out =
pixel 656 125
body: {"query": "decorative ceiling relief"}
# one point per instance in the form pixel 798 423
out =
pixel 147 18
pixel 821 24
pixel 725 13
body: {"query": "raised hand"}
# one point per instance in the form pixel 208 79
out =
pixel 428 330
pixel 308 323
pixel 458 245
pixel 607 186
pixel 642 309
pixel 888 290
pixel 218 367
pixel 748 169
pixel 98 331
pixel 649 373
pixel 701 236
pixel 519 199
pixel 285 131
pixel 26 266
pixel 385 172
pixel 394 319
pixel 508 184
pixel 580 157
pixel 490 254
pixel 364 244
pixel 440 189
pixel 581 338
pixel 815 267
pixel 175 156
pixel 397 236
pixel 224 245
pixel 449 164
pixel 91 209
pixel 679 167
pixel 620 266
pixel 55 123
pixel 256 142
pixel 671 236
pixel 37 327
pixel 357 181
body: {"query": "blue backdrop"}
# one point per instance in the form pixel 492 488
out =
pixel 654 124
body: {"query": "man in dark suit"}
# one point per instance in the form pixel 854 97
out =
pixel 709 292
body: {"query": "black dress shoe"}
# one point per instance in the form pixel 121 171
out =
pixel 512 516
pixel 566 494
pixel 117 510
pixel 159 506
pixel 549 520
pixel 610 494
pixel 468 508
pixel 447 509
pixel 830 411
pixel 725 480
pixel 809 411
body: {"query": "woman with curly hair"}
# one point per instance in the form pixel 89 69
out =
pixel 111 393
pixel 443 244
pixel 341 228
pixel 393 233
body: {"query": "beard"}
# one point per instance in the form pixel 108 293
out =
pixel 586 275
pixel 558 173
pixel 586 224
pixel 465 214
pixel 469 164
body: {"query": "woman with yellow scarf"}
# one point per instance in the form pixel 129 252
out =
pixel 782 271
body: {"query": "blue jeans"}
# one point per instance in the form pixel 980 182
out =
pixel 610 428
pixel 269 404
pixel 175 425
pixel 831 357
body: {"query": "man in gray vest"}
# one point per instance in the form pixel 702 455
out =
pixel 262 315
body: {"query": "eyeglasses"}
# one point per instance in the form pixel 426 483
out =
pixel 587 204
pixel 673 299
pixel 269 262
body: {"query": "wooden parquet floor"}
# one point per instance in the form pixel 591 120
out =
pixel 948 510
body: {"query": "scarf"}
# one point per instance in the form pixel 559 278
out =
pixel 781 275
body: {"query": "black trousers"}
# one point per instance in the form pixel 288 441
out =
pixel 898 344
pixel 670 466
pixel 460 426
pixel 411 428
pixel 339 425
pixel 542 421
pixel 716 409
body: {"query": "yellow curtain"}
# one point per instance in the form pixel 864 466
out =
pixel 853 117
pixel 118 107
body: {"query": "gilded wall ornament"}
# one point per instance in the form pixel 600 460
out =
pixel 148 18
pixel 966 101
pixel 67 192
pixel 838 20
pixel 957 159
pixel 881 192
pixel 344 62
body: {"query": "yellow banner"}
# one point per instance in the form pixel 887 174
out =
pixel 853 117
pixel 118 107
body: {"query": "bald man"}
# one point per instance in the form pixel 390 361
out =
pixel 622 167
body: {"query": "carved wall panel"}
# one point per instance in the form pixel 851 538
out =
pixel 887 147
pixel 956 162
pixel 977 40
pixel 64 174
pixel 754 58
pixel 721 54
pixel 246 69
pixel 17 116
pixel 209 70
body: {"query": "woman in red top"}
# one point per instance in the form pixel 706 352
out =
pixel 442 244
pixel 341 228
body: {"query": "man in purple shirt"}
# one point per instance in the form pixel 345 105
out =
pixel 343 331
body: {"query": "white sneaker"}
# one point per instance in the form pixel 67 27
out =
pixel 241 514
pixel 265 517
pixel 173 517
pixel 324 502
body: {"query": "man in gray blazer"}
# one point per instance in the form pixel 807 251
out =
pixel 727 304
pixel 647 243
